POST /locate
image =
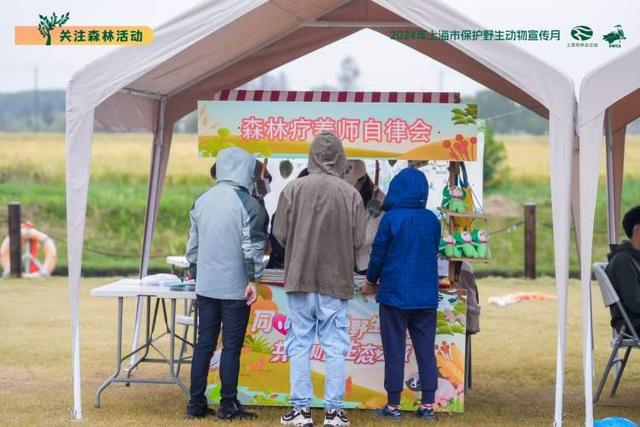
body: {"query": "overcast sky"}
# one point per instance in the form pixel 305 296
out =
pixel 384 64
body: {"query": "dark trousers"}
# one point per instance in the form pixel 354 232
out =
pixel 233 316
pixel 421 324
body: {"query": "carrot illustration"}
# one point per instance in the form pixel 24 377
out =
pixel 348 386
pixel 457 356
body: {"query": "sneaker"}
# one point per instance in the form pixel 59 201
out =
pixel 391 412
pixel 335 417
pixel 426 413
pixel 234 411
pixel 192 415
pixel 242 413
pixel 299 417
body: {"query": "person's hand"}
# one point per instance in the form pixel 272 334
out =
pixel 251 293
pixel 367 289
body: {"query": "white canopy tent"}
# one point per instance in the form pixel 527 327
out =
pixel 224 43
pixel 609 101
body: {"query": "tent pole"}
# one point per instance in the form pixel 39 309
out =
pixel 590 140
pixel 575 194
pixel 149 219
pixel 78 139
pixel 152 194
pixel 360 24
pixel 561 156
pixel 611 205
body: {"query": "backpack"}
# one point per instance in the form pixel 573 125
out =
pixel 467 281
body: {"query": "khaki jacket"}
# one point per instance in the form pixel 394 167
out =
pixel 320 221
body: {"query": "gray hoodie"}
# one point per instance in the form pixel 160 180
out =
pixel 227 239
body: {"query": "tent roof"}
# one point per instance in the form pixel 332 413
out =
pixel 614 85
pixel 222 44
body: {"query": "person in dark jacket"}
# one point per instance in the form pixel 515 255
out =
pixel 624 271
pixel 404 260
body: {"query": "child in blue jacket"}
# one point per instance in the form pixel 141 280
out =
pixel 404 262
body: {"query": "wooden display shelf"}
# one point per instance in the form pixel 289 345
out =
pixel 477 215
pixel 476 260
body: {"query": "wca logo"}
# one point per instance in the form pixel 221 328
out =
pixel 615 37
pixel 50 31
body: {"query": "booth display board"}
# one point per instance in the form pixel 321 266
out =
pixel 264 374
pixel 437 173
pixel 373 125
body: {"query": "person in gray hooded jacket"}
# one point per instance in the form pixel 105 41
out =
pixel 226 243
pixel 320 222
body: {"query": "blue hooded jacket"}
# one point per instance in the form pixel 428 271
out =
pixel 404 257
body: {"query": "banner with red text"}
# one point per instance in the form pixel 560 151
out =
pixel 381 130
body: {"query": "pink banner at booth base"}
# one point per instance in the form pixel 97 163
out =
pixel 264 375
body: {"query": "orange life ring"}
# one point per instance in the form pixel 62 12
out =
pixel 36 237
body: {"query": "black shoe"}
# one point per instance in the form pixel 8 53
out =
pixel 242 413
pixel 426 413
pixel 192 414
pixel 335 418
pixel 234 411
pixel 389 412
pixel 299 417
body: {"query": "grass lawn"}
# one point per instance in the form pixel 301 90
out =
pixel 514 363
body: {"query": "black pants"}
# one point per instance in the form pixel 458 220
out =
pixel 394 323
pixel 233 316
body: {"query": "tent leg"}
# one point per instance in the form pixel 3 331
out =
pixel 561 156
pixel 615 168
pixel 615 164
pixel 611 208
pixel 78 139
pixel 150 216
pixel 589 162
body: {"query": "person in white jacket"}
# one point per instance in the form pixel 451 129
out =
pixel 226 243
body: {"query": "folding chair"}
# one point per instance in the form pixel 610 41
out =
pixel 625 338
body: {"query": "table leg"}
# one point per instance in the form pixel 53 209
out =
pixel 118 352
pixel 172 342
pixel 147 341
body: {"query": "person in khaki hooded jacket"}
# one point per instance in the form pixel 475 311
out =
pixel 321 224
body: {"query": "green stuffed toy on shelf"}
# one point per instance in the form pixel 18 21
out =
pixel 448 247
pixel 465 244
pixel 480 239
pixel 453 199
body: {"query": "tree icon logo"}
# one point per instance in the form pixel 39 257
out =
pixel 48 23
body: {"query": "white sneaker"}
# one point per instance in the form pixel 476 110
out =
pixel 334 418
pixel 297 417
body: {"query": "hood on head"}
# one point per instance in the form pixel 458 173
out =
pixel 355 169
pixel 327 155
pixel 408 189
pixel 237 166
pixel 625 246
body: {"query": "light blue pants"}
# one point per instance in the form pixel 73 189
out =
pixel 311 314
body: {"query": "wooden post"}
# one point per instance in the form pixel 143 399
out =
pixel 15 249
pixel 454 170
pixel 530 240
